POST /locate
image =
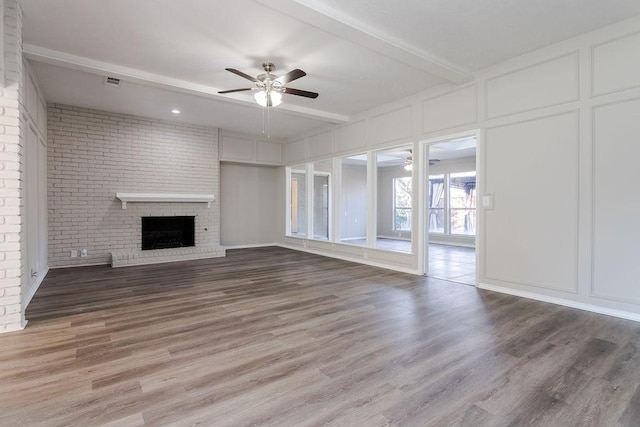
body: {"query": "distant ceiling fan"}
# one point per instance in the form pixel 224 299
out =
pixel 408 162
pixel 269 87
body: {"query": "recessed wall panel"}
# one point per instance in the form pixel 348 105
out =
pixel 531 233
pixel 350 137
pixel 268 152
pixel 31 98
pixel 390 126
pixel 454 109
pixel 233 148
pixel 616 65
pixel 616 266
pixel 296 151
pixel 320 145
pixel 542 85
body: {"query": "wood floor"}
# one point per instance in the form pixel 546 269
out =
pixel 276 337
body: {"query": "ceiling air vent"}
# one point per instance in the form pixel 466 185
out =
pixel 112 81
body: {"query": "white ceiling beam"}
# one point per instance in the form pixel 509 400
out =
pixel 54 57
pixel 334 22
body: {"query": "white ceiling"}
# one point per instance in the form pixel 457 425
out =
pixel 357 54
pixel 453 149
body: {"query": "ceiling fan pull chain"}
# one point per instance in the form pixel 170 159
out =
pixel 268 122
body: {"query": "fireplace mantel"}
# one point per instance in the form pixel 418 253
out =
pixel 164 198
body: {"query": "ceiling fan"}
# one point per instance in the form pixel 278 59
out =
pixel 408 162
pixel 270 87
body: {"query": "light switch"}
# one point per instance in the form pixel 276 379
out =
pixel 487 201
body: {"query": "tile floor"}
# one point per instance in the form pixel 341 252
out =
pixel 454 263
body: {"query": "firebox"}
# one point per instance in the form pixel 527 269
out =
pixel 163 232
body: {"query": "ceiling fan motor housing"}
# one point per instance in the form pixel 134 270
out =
pixel 268 67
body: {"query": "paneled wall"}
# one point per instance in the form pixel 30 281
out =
pixel 536 202
pixel 248 150
pixel 35 140
pixel 353 202
pixel 558 138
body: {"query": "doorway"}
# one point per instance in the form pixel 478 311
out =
pixel 451 199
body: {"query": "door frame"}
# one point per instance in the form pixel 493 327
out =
pixel 424 147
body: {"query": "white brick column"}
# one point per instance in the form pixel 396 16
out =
pixel 12 242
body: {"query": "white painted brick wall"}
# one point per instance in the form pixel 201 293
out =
pixel 12 251
pixel 93 154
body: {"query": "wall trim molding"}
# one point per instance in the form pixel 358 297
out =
pixel 27 298
pixel 57 267
pixel 622 314
pixel 350 259
pixel 249 246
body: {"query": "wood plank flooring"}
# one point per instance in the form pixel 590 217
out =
pixel 274 337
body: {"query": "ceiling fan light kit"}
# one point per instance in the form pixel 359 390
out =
pixel 270 87
pixel 268 99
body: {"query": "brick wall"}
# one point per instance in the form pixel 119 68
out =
pixel 93 154
pixel 12 250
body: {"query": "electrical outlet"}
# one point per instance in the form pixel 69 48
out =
pixel 83 252
pixel 74 254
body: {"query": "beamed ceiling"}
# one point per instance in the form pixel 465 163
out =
pixel 357 54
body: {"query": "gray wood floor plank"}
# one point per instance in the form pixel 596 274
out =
pixel 275 337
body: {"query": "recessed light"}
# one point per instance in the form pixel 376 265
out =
pixel 175 111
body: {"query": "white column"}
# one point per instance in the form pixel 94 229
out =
pixel 12 173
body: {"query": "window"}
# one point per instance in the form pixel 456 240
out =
pixel 321 199
pixel 462 203
pixel 298 208
pixel 452 203
pixel 436 203
pixel 402 203
pixel 393 217
pixel 321 207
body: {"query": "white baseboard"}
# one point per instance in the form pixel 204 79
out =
pixel 32 291
pixel 255 245
pixel 79 265
pixel 406 239
pixel 564 302
pixel 460 244
pixel 347 258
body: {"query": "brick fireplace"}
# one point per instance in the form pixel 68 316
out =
pixel 94 155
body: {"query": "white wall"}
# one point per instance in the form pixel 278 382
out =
pixel 249 150
pixel 35 137
pixel 558 138
pixel 249 206
pixel 353 210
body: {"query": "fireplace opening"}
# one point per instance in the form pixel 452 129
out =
pixel 163 232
